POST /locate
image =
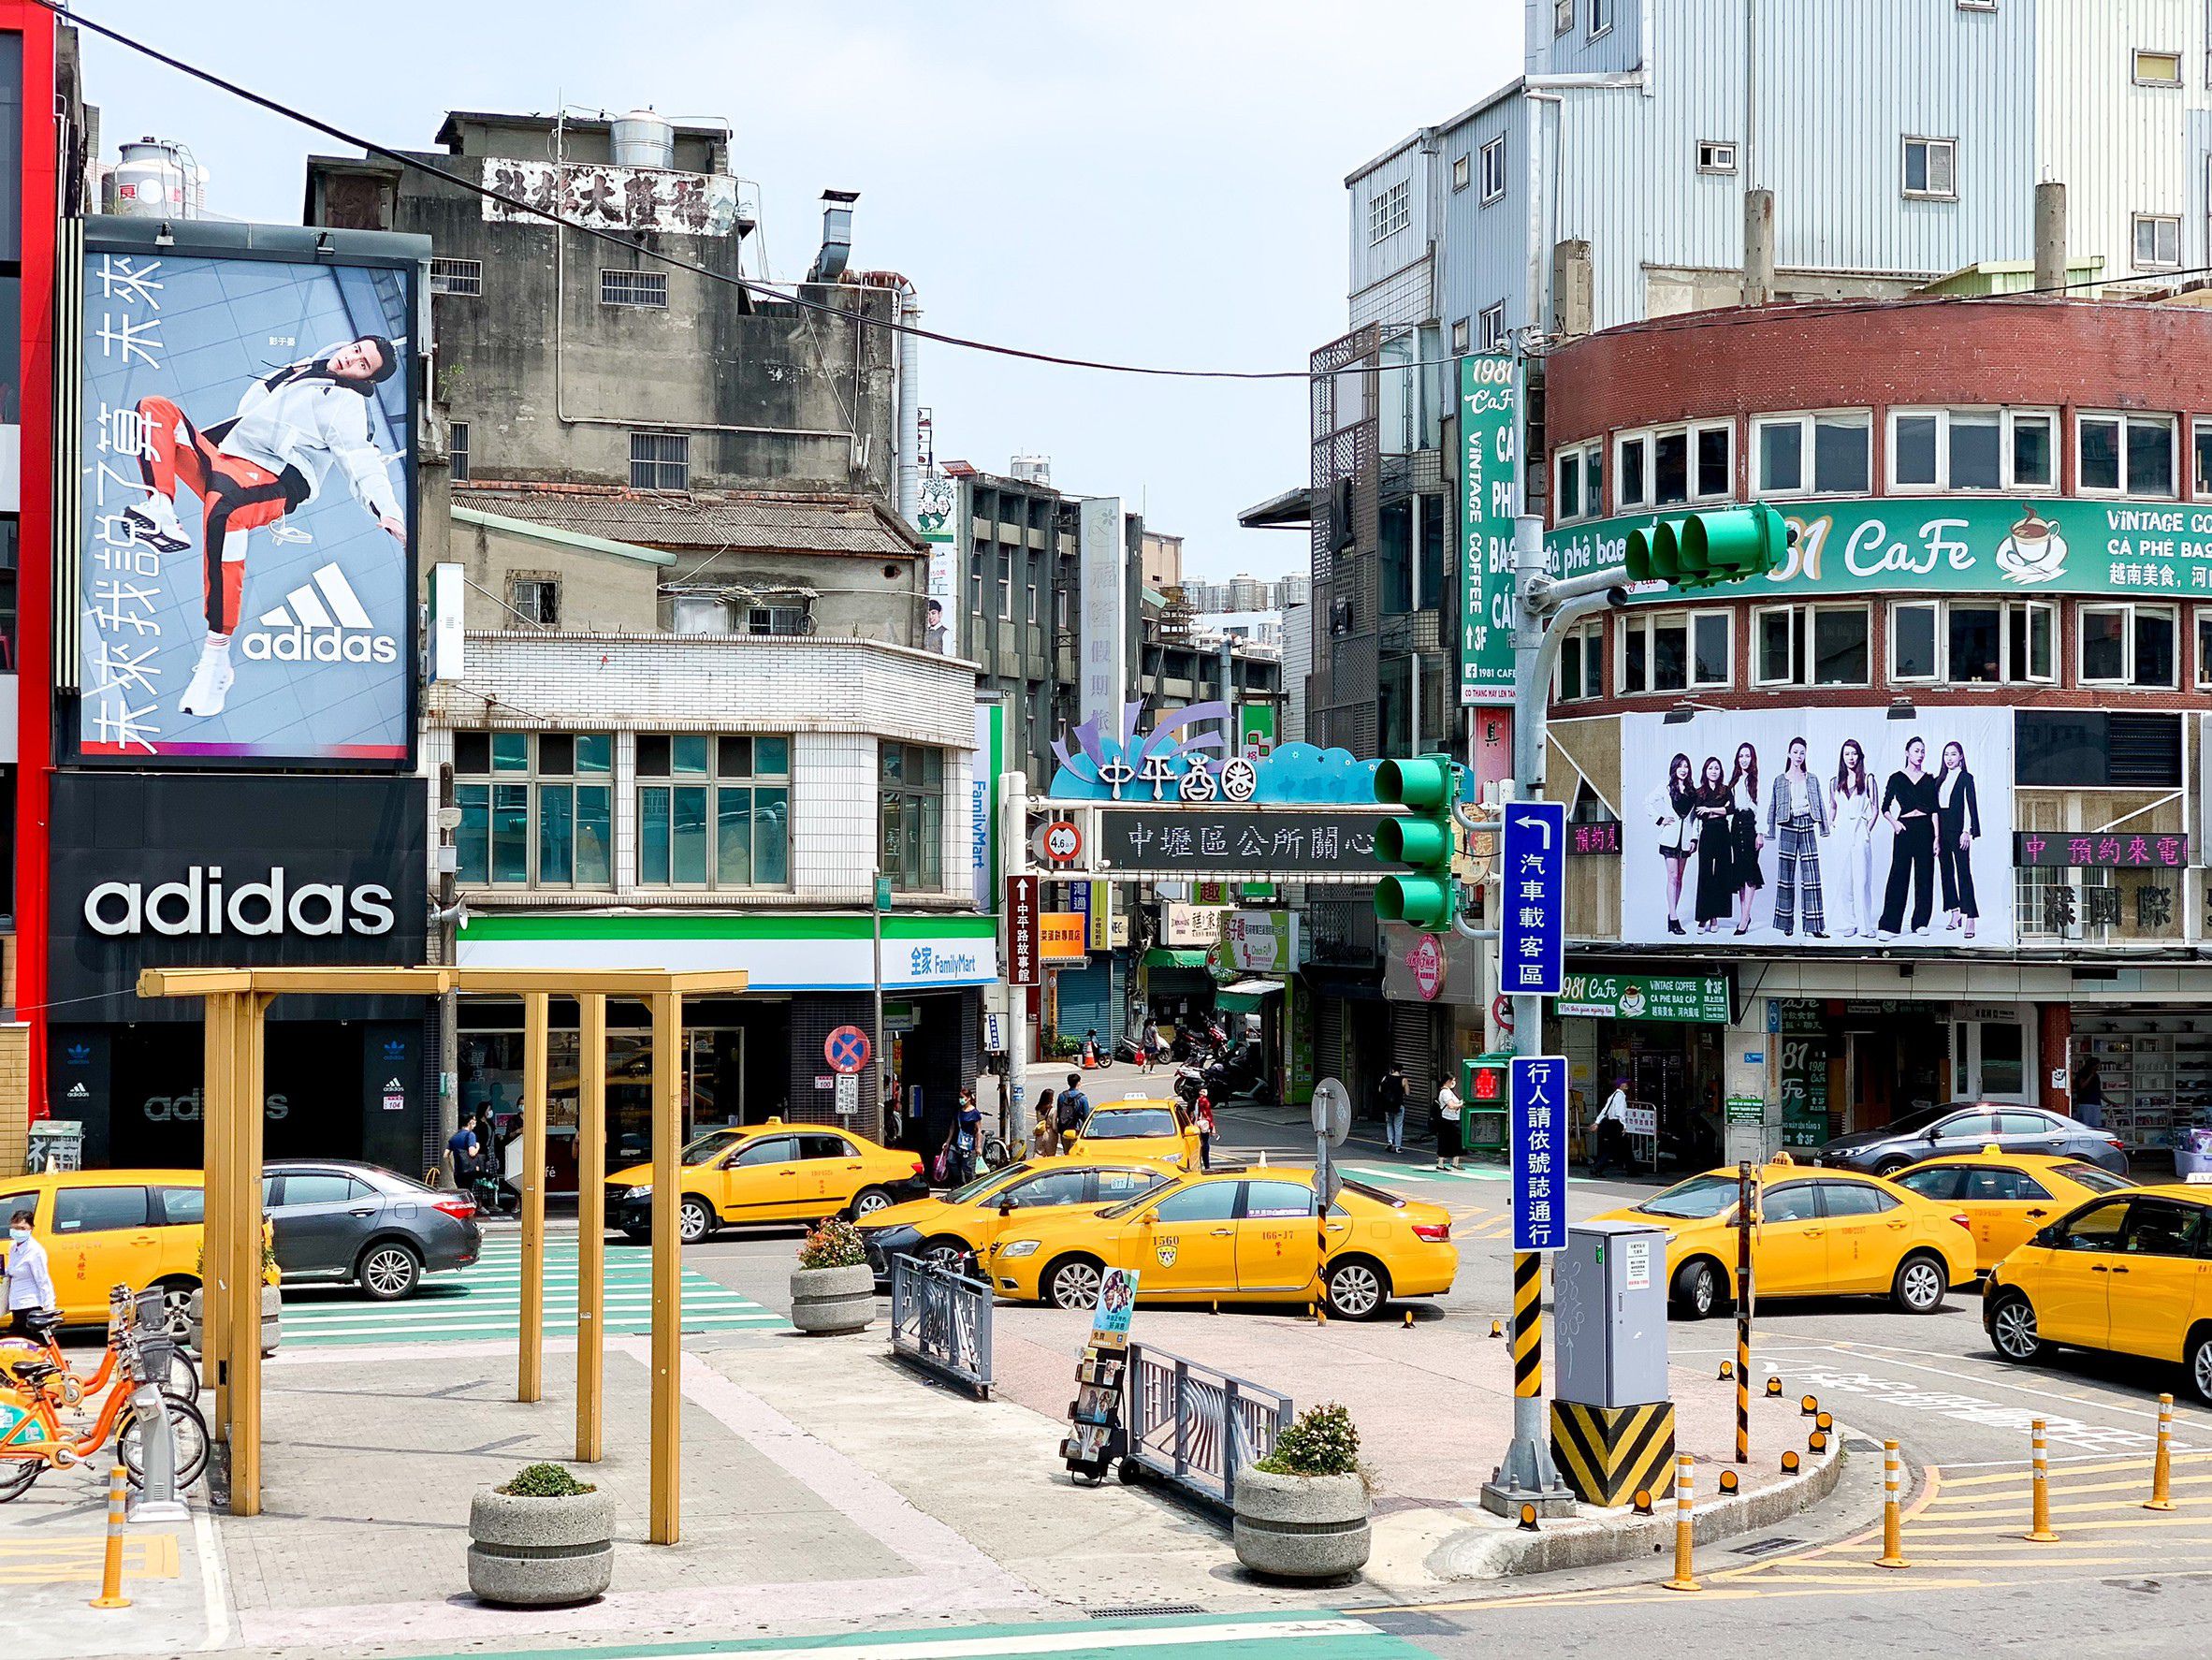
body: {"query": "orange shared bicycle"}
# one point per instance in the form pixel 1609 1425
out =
pixel 33 1439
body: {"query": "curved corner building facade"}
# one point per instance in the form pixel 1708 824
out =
pixel 1919 816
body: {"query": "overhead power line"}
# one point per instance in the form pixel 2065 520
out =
pixel 1814 310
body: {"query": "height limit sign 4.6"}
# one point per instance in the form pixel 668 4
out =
pixel 1532 942
pixel 1538 1131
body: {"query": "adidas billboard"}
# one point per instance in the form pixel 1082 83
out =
pixel 322 620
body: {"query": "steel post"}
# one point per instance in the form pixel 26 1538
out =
pixel 665 1525
pixel 529 1360
pixel 591 1223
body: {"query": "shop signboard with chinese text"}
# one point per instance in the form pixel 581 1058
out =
pixel 1063 937
pixel 244 585
pixel 1170 843
pixel 1021 913
pixel 1489 498
pixel 1694 999
pixel 1261 941
pixel 2059 850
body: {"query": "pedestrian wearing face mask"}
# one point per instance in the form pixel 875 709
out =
pixel 28 1285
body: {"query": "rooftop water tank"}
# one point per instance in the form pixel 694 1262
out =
pixel 644 139
pixel 152 181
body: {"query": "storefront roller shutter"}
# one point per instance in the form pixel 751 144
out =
pixel 1413 1046
pixel 1086 999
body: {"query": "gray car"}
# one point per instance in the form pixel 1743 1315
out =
pixel 339 1223
pixel 1969 1127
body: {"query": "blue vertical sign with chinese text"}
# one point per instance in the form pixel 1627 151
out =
pixel 1538 1129
pixel 1532 942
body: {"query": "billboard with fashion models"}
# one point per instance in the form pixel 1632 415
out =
pixel 245 587
pixel 1817 828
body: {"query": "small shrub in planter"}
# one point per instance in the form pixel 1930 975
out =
pixel 833 1289
pixel 1302 1512
pixel 542 1539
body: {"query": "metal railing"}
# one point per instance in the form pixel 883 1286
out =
pixel 940 1319
pixel 1197 1427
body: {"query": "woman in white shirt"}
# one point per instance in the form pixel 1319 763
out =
pixel 1672 806
pixel 1852 812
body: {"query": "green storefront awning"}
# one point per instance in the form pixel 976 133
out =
pixel 1162 956
pixel 1244 997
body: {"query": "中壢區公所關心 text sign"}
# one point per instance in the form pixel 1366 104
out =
pixel 1172 843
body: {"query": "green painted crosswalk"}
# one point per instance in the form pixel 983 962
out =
pixel 485 1301
pixel 1255 1636
pixel 1389 1175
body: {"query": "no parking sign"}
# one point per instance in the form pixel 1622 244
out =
pixel 846 1049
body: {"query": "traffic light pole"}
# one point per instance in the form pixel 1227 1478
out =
pixel 1544 610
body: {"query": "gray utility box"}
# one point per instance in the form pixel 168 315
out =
pixel 1608 1297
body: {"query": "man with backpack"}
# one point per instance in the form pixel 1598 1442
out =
pixel 1073 1109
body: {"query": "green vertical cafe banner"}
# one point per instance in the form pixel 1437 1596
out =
pixel 1490 440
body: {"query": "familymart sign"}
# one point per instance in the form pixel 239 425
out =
pixel 1979 545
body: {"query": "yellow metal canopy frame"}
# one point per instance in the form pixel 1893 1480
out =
pixel 236 1003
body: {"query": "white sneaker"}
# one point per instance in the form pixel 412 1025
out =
pixel 210 681
pixel 155 522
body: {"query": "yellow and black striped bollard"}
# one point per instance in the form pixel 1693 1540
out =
pixel 1528 1331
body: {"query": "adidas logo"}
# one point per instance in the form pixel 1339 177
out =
pixel 79 1054
pixel 322 620
pixel 77 1092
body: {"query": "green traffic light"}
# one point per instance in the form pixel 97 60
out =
pixel 1413 841
pixel 1424 781
pixel 1423 838
pixel 1424 901
pixel 1702 549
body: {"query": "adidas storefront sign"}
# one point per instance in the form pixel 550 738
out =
pixel 322 620
pixel 202 903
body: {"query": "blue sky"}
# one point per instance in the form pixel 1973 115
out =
pixel 1140 181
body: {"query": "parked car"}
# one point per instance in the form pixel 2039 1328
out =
pixel 341 1223
pixel 2005 1197
pixel 1969 1127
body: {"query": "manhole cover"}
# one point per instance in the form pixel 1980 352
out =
pixel 1767 1547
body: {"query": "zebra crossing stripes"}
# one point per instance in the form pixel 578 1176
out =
pixel 1389 1175
pixel 485 1301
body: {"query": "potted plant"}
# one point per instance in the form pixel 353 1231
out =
pixel 188 1304
pixel 541 1540
pixel 833 1289
pixel 1301 1510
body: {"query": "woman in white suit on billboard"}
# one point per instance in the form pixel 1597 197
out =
pixel 1851 810
pixel 1672 806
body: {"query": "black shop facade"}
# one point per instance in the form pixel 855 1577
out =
pixel 198 871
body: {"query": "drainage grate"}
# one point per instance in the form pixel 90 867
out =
pixel 1145 1610
pixel 1767 1547
pixel 1860 1444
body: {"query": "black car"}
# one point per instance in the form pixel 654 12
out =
pixel 339 1223
pixel 1969 1127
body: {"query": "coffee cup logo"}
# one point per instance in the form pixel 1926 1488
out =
pixel 2033 552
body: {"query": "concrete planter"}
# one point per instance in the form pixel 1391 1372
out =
pixel 273 1321
pixel 1302 1528
pixel 540 1552
pixel 831 1299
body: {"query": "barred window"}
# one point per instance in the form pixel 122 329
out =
pixel 632 287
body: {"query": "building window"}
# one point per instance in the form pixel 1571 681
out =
pixel 1601 17
pixel 660 461
pixel 1579 489
pixel 1462 337
pixel 1581 663
pixel 1716 156
pixel 2157 242
pixel 1389 211
pixel 1931 168
pixel 648 289
pixel 713 811
pixel 1006 586
pixel 2127 644
pixel 1977 5
pixel 1463 171
pixel 1489 328
pixel 1813 455
pixel 537 808
pixel 456 451
pixel 2131 454
pixel 911 788
pixel 1971 449
pixel 1677 652
pixel 1972 642
pixel 1493 168
pixel 1563 17
pixel 792 618
pixel 535 600
pixel 1032 612
pixel 1673 465
pixel 456 276
pixel 2157 68
pixel 1810 646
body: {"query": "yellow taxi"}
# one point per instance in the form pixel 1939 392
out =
pixel 1822 1232
pixel 2005 1197
pixel 106 1228
pixel 959 1229
pixel 770 1172
pixel 1139 1127
pixel 1236 1236
pixel 2127 1272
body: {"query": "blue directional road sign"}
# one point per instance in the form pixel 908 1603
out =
pixel 1532 960
pixel 1539 1123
